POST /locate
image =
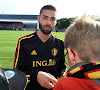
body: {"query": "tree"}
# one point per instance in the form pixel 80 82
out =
pixel 63 23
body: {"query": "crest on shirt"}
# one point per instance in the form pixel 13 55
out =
pixel 54 51
pixel 33 52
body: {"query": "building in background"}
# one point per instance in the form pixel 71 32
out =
pixel 18 22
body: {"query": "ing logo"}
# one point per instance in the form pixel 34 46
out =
pixel 44 63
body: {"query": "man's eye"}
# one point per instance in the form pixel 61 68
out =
pixel 44 18
pixel 52 19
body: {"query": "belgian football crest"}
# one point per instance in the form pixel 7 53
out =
pixel 54 51
pixel 33 52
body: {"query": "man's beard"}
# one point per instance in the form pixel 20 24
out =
pixel 45 31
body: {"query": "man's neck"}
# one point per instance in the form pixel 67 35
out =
pixel 43 36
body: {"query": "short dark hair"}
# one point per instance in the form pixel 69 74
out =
pixel 48 7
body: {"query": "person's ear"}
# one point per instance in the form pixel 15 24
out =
pixel 38 18
pixel 56 21
pixel 71 54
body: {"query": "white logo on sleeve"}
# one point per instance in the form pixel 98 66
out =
pixel 9 74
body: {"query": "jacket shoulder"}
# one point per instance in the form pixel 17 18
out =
pixel 72 83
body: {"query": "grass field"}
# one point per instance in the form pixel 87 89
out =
pixel 8 41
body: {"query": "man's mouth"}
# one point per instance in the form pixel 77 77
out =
pixel 47 28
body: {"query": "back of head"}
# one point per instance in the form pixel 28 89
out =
pixel 83 35
pixel 47 7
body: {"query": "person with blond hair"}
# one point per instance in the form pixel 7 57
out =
pixel 82 42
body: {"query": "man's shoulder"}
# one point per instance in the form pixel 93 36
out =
pixel 26 36
pixel 57 38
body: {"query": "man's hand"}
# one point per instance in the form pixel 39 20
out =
pixel 46 80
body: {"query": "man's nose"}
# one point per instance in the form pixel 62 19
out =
pixel 48 22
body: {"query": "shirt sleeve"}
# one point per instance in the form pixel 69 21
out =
pixel 19 56
pixel 20 62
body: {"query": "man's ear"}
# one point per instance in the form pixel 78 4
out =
pixel 71 54
pixel 38 18
pixel 56 21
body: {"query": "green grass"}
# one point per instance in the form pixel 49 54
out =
pixel 8 41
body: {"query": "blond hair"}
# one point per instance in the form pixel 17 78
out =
pixel 83 35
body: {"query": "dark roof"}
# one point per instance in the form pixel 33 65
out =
pixel 18 17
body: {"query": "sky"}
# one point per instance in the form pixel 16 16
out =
pixel 65 8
